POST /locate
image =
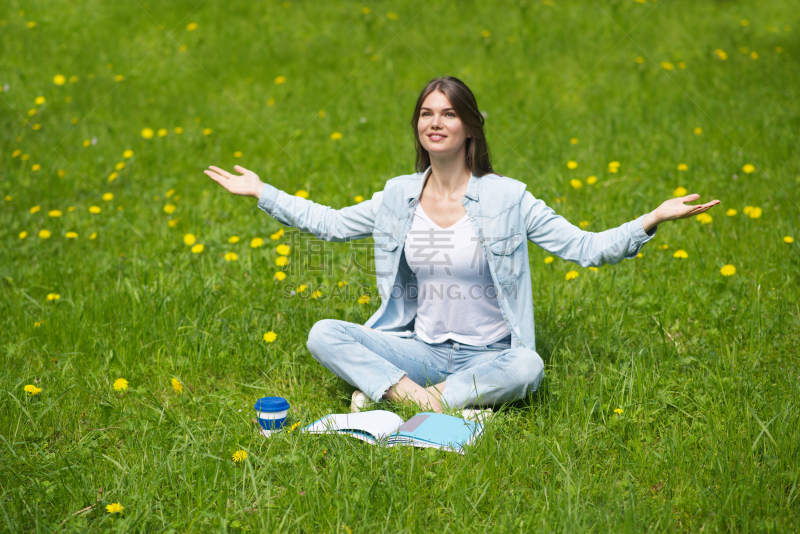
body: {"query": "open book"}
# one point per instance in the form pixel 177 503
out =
pixel 380 427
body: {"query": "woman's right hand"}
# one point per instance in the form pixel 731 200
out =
pixel 248 184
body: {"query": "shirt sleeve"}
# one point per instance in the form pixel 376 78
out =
pixel 346 224
pixel 558 236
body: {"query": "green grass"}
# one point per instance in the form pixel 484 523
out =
pixel 705 367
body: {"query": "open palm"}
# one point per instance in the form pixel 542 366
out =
pixel 676 208
pixel 248 184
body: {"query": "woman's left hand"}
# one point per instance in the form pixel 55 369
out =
pixel 676 208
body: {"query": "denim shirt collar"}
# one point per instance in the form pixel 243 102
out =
pixel 472 187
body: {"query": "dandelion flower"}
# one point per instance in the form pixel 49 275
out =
pixel 52 297
pixel 170 192
pixel 233 239
pixel 108 197
pixel 93 236
pixel 119 78
pixel 87 142
pixel 231 256
pixel 162 132
pixel 71 235
pixel 256 242
pixel 32 390
pixel 680 253
pixel 112 176
pixel 120 384
pixel 277 235
pixel 619 411
pixel 281 261
pixel 336 136
pixel 747 210
pixel 594 269
pixel 198 248
pixel 340 283
pixel 271 102
pixel 147 133
pixel 392 16
pixel 169 209
pixel 613 166
pixel 549 260
pixel 127 154
pixel 640 255
pixel 207 131
pixel 239 456
pixel 176 385
pixel 583 224
pixel 280 275
pixel 178 130
pixel 302 193
pixel 270 336
pixel 574 140
pixel 571 275
pixel 704 218
pixel 95 209
pixel 731 212
pixel 173 223
pixel 59 79
pixel 749 168
pixel 189 239
pixel 666 65
pixel 44 234
pixel 728 270
pixel 192 26
pixel 679 192
pixel 35 209
pixel 23 235
pixel 572 164
pixel 681 65
pixel 577 184
pixel 237 154
pixel 119 166
pixel 358 198
pixel 698 131
pixel 755 213
pixel 721 54
pixel 591 180
pixel 283 250
pixel 754 54
pixel 16 153
pixel 31 112
pixel 316 294
pixel 788 239
pixel 114 508
pixel 363 299
pixel 280 79
pixel 683 167
pixel 54 213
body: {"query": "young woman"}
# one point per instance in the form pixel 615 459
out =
pixel 451 261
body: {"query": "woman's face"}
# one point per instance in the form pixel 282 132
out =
pixel 440 129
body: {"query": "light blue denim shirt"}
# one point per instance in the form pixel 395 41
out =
pixel 504 216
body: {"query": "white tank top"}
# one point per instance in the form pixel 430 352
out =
pixel 457 298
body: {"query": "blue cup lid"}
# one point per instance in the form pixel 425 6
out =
pixel 271 404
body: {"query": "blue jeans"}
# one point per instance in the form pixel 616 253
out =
pixel 373 361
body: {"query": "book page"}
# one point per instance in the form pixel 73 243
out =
pixel 379 423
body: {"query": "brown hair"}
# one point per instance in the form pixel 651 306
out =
pixel 466 107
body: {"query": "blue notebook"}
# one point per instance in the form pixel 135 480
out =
pixel 381 427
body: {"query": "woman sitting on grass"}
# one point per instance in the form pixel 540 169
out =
pixel 455 325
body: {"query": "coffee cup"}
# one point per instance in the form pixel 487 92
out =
pixel 272 413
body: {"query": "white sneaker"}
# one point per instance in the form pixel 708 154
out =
pixel 478 416
pixel 359 401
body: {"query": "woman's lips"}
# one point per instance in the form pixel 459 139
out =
pixel 436 137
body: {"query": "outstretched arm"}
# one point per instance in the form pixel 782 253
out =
pixel 347 224
pixel 675 208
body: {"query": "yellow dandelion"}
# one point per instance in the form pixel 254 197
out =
pixel 680 253
pixel 23 235
pixel 755 213
pixel 679 192
pixel 192 26
pixel 198 248
pixel 365 10
pixel 233 239
pixel 574 140
pixel 39 100
pixel 745 22
pixel 336 136
pixel 176 385
pixel 583 224
pixel 613 166
pixel 341 283
pixel 779 49
pixel 358 198
pixel 639 60
pixel 147 133
pixel 119 77
pixel 59 79
pixel 683 167
pixel 301 288
pixel 549 260
pixel 749 168
pixel 95 209
pixel 280 79
pixel 280 275
pixel 572 164
pixel 162 132
pixel 681 65
pixel 363 299
pixel 207 131
pixel 36 167
pixel 594 269
pixel 754 54
pixel 178 130
pixel 62 173
pixel 591 180
pixel 25 157
pixel 239 456
pixel 302 193
pixel 112 176
pixel 705 218
pixel 619 411
pixel 731 212
pixel 51 297
pixel 237 154
pixel 281 261
pixel 173 223
pixel 698 131
pixel 728 270
pixel 44 234
pixel 127 154
pixel 270 336
pixel 271 102
pixel 571 275
pixel 170 192
pixel 577 184
pixel 114 508
pixel 71 235
pixel 189 239
pixel 788 239
pixel 169 209
pixel 120 384
pixel 721 54
pixel 87 142
pixel 93 236
pixel 747 210
pixel 16 153
pixel 640 255
pixel 316 294
pixel 485 33
pixel 32 390
pixel 666 65
pixel 35 209
pixel 31 112
pixel 108 197
pixel 283 250
pixel 276 235
pixel 256 242
pixel 231 256
pixel 54 213
pixel 392 16
pixel 119 166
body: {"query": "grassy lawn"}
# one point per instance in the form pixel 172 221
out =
pixel 671 397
